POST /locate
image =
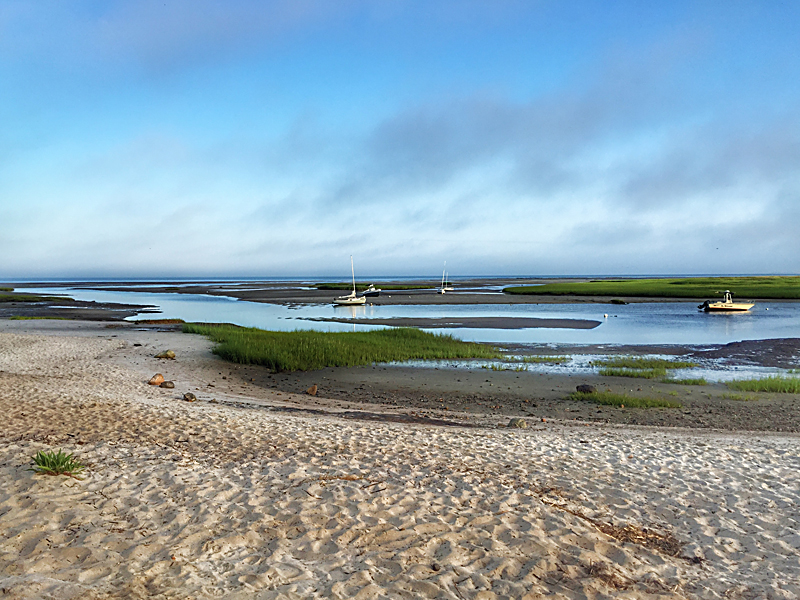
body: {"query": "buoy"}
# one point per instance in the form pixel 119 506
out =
pixel 605 316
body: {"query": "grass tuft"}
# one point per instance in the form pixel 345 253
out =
pixel 310 350
pixel 775 383
pixel 637 362
pixel 613 399
pixel 624 372
pixel 57 463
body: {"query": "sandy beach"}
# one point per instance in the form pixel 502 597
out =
pixel 241 495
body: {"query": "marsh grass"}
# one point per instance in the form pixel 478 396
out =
pixel 360 287
pixel 638 362
pixel 656 373
pixel 518 368
pixel 775 383
pixel 690 287
pixel 546 359
pixel 57 463
pixel 32 298
pixel 22 318
pixel 739 397
pixel 697 381
pixel 6 289
pixel 160 322
pixel 637 366
pixel 623 400
pixel 310 350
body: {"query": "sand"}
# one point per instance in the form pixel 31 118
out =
pixel 234 499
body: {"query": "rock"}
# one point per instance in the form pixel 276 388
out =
pixel 189 397
pixel 166 354
pixel 518 423
pixel 312 391
pixel 156 379
pixel 586 389
pixel 167 384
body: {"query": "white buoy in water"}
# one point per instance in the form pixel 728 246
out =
pixel 605 316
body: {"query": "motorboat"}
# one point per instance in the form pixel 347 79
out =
pixel 726 305
pixel 352 298
pixel 371 291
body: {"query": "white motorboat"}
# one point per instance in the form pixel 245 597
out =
pixel 371 291
pixel 727 304
pixel 352 298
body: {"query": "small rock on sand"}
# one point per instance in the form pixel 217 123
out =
pixel 167 384
pixel 166 354
pixel 156 379
pixel 586 389
pixel 312 391
pixel 189 397
pixel 518 423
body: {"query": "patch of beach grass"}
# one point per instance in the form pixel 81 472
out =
pixel 739 397
pixel 623 400
pixel 310 350
pixel 689 287
pixel 656 373
pixel 6 289
pixel 775 383
pixel 23 318
pixel 494 367
pixel 57 463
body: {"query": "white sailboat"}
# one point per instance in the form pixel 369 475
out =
pixel 351 298
pixel 445 284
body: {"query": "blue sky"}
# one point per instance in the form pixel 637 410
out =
pixel 201 138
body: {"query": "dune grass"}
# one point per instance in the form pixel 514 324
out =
pixel 623 400
pixel 310 350
pixel 57 463
pixel 383 286
pixel 22 318
pixel 775 383
pixel 690 287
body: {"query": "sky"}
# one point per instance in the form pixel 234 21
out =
pixel 239 138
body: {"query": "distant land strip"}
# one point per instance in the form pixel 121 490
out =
pixel 764 287
pixel 472 322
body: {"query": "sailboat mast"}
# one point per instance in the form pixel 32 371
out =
pixel 352 270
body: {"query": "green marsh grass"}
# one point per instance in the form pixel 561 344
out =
pixel 383 286
pixel 32 298
pixel 6 289
pixel 546 359
pixel 22 318
pixel 697 381
pixel 310 350
pixel 613 399
pixel 690 287
pixel 57 463
pixel 636 366
pixel 776 383
pixel 739 397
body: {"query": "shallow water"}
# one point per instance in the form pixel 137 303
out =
pixel 637 324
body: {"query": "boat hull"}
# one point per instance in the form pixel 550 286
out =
pixel 346 301
pixel 724 307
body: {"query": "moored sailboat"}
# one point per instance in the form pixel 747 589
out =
pixel 351 298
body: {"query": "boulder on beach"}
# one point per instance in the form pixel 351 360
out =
pixel 518 423
pixel 586 389
pixel 189 397
pixel 167 384
pixel 312 391
pixel 166 354
pixel 156 379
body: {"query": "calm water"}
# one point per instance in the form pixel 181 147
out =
pixel 647 323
